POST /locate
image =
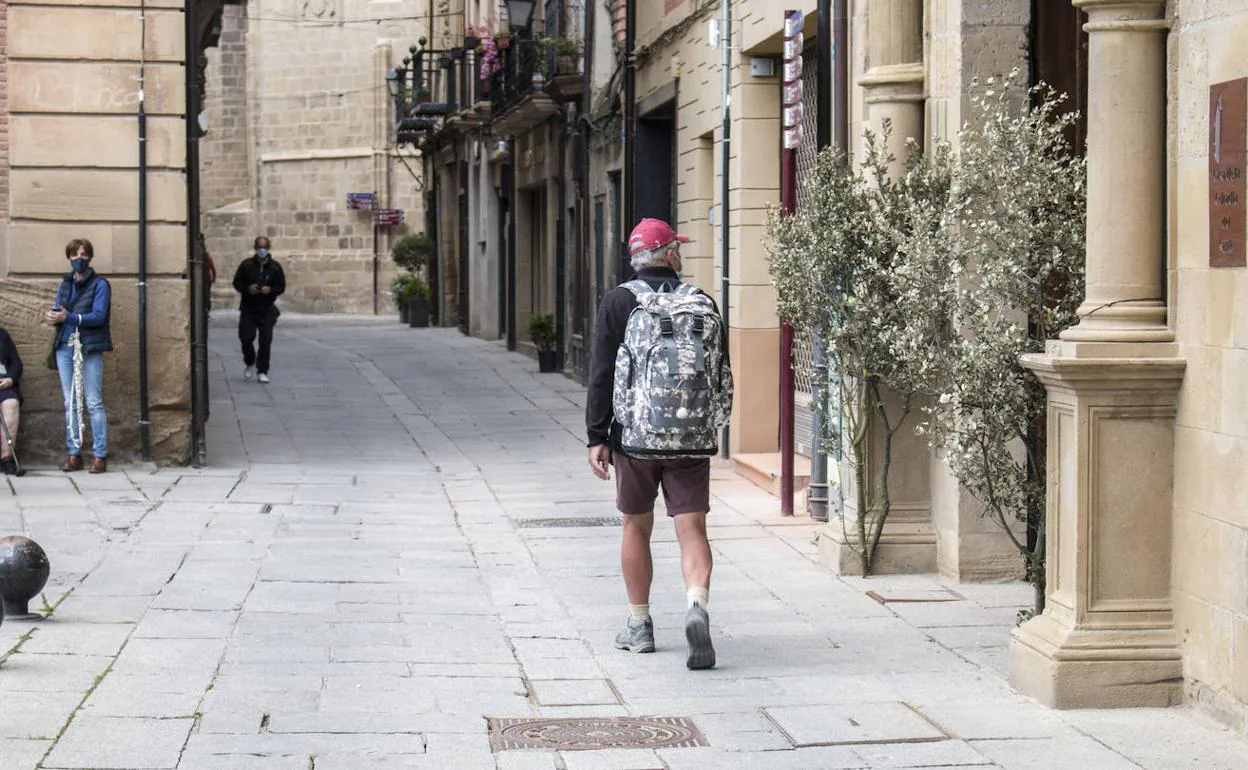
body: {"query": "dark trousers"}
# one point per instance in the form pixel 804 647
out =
pixel 250 322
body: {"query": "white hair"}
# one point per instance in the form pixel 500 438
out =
pixel 650 257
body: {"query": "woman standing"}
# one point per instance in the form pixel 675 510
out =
pixel 81 310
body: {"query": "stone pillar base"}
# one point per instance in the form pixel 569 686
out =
pixel 905 548
pixel 1095 668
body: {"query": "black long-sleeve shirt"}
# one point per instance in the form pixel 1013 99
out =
pixel 10 359
pixel 252 271
pixel 613 314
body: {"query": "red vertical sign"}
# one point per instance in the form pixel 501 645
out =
pixel 792 109
pixel 1228 178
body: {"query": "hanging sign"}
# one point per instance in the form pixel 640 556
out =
pixel 388 217
pixel 1228 177
pixel 792 90
pixel 362 200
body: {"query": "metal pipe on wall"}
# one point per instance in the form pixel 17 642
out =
pixel 194 249
pixel 145 440
pixel 630 116
pixel 725 41
pixel 817 494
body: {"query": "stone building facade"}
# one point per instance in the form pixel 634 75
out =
pixel 69 168
pixel 298 115
pixel 1148 537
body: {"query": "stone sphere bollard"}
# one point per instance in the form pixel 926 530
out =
pixel 24 571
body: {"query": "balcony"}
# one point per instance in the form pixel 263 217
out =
pixel 518 99
pixel 459 78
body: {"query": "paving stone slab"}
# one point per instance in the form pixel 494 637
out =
pixel 1048 753
pixel 573 692
pixel 105 743
pixel 23 754
pixel 853 723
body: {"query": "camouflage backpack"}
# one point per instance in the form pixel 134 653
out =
pixel 673 385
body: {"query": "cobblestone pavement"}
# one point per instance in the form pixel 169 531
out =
pixel 399 538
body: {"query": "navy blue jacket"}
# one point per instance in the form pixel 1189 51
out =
pixel 88 305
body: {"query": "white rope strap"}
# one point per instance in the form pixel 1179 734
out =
pixel 76 401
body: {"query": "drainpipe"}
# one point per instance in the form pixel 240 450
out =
pixel 144 421
pixel 826 49
pixel 194 250
pixel 561 254
pixel 511 246
pixel 504 217
pixel 630 116
pixel 725 40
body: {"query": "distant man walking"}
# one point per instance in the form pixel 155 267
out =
pixel 660 390
pixel 259 281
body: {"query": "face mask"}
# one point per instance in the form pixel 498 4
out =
pixel 680 275
pixel 262 253
pixel 80 264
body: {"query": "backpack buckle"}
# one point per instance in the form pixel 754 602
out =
pixel 665 326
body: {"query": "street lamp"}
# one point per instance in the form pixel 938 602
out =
pixel 519 14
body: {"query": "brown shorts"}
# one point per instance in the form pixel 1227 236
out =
pixel 686 484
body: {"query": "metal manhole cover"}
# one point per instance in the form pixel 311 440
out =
pixel 595 733
pixel 602 521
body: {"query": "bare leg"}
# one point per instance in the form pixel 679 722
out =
pixel 9 409
pixel 695 549
pixel 635 560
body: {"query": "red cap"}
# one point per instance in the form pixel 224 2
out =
pixel 651 234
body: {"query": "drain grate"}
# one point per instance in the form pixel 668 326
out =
pixel 595 733
pixel 602 521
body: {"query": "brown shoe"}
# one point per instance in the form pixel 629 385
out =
pixel 99 465
pixel 72 463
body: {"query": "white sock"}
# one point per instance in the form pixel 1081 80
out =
pixel 699 595
pixel 639 611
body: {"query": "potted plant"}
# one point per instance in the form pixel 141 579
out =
pixel 413 252
pixel 542 334
pixel 418 305
pixel 398 294
pixel 567 54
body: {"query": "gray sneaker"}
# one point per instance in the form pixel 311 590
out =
pixel 698 634
pixel 637 636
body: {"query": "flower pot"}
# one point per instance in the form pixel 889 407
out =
pixel 418 313
pixel 568 64
pixel 404 312
pixel 547 361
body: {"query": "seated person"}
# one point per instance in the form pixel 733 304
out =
pixel 10 398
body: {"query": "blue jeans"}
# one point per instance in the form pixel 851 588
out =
pixel 93 387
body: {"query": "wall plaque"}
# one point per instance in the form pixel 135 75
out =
pixel 1228 180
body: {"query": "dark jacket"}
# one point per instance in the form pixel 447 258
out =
pixel 88 304
pixel 613 314
pixel 249 272
pixel 11 361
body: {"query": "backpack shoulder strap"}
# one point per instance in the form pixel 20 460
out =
pixel 688 290
pixel 638 287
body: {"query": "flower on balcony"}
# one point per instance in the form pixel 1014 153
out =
pixel 490 45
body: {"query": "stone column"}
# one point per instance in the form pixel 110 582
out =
pixel 1106 637
pixel 893 81
pixel 893 86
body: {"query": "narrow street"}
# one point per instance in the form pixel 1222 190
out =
pixel 398 540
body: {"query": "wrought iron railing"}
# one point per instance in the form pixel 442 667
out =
pixel 524 65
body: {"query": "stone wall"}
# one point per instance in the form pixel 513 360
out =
pixel 298 98
pixel 1211 437
pixel 72 158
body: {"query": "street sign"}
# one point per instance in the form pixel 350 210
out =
pixel 388 217
pixel 792 89
pixel 362 200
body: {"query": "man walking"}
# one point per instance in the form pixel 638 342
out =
pixel 259 281
pixel 660 390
